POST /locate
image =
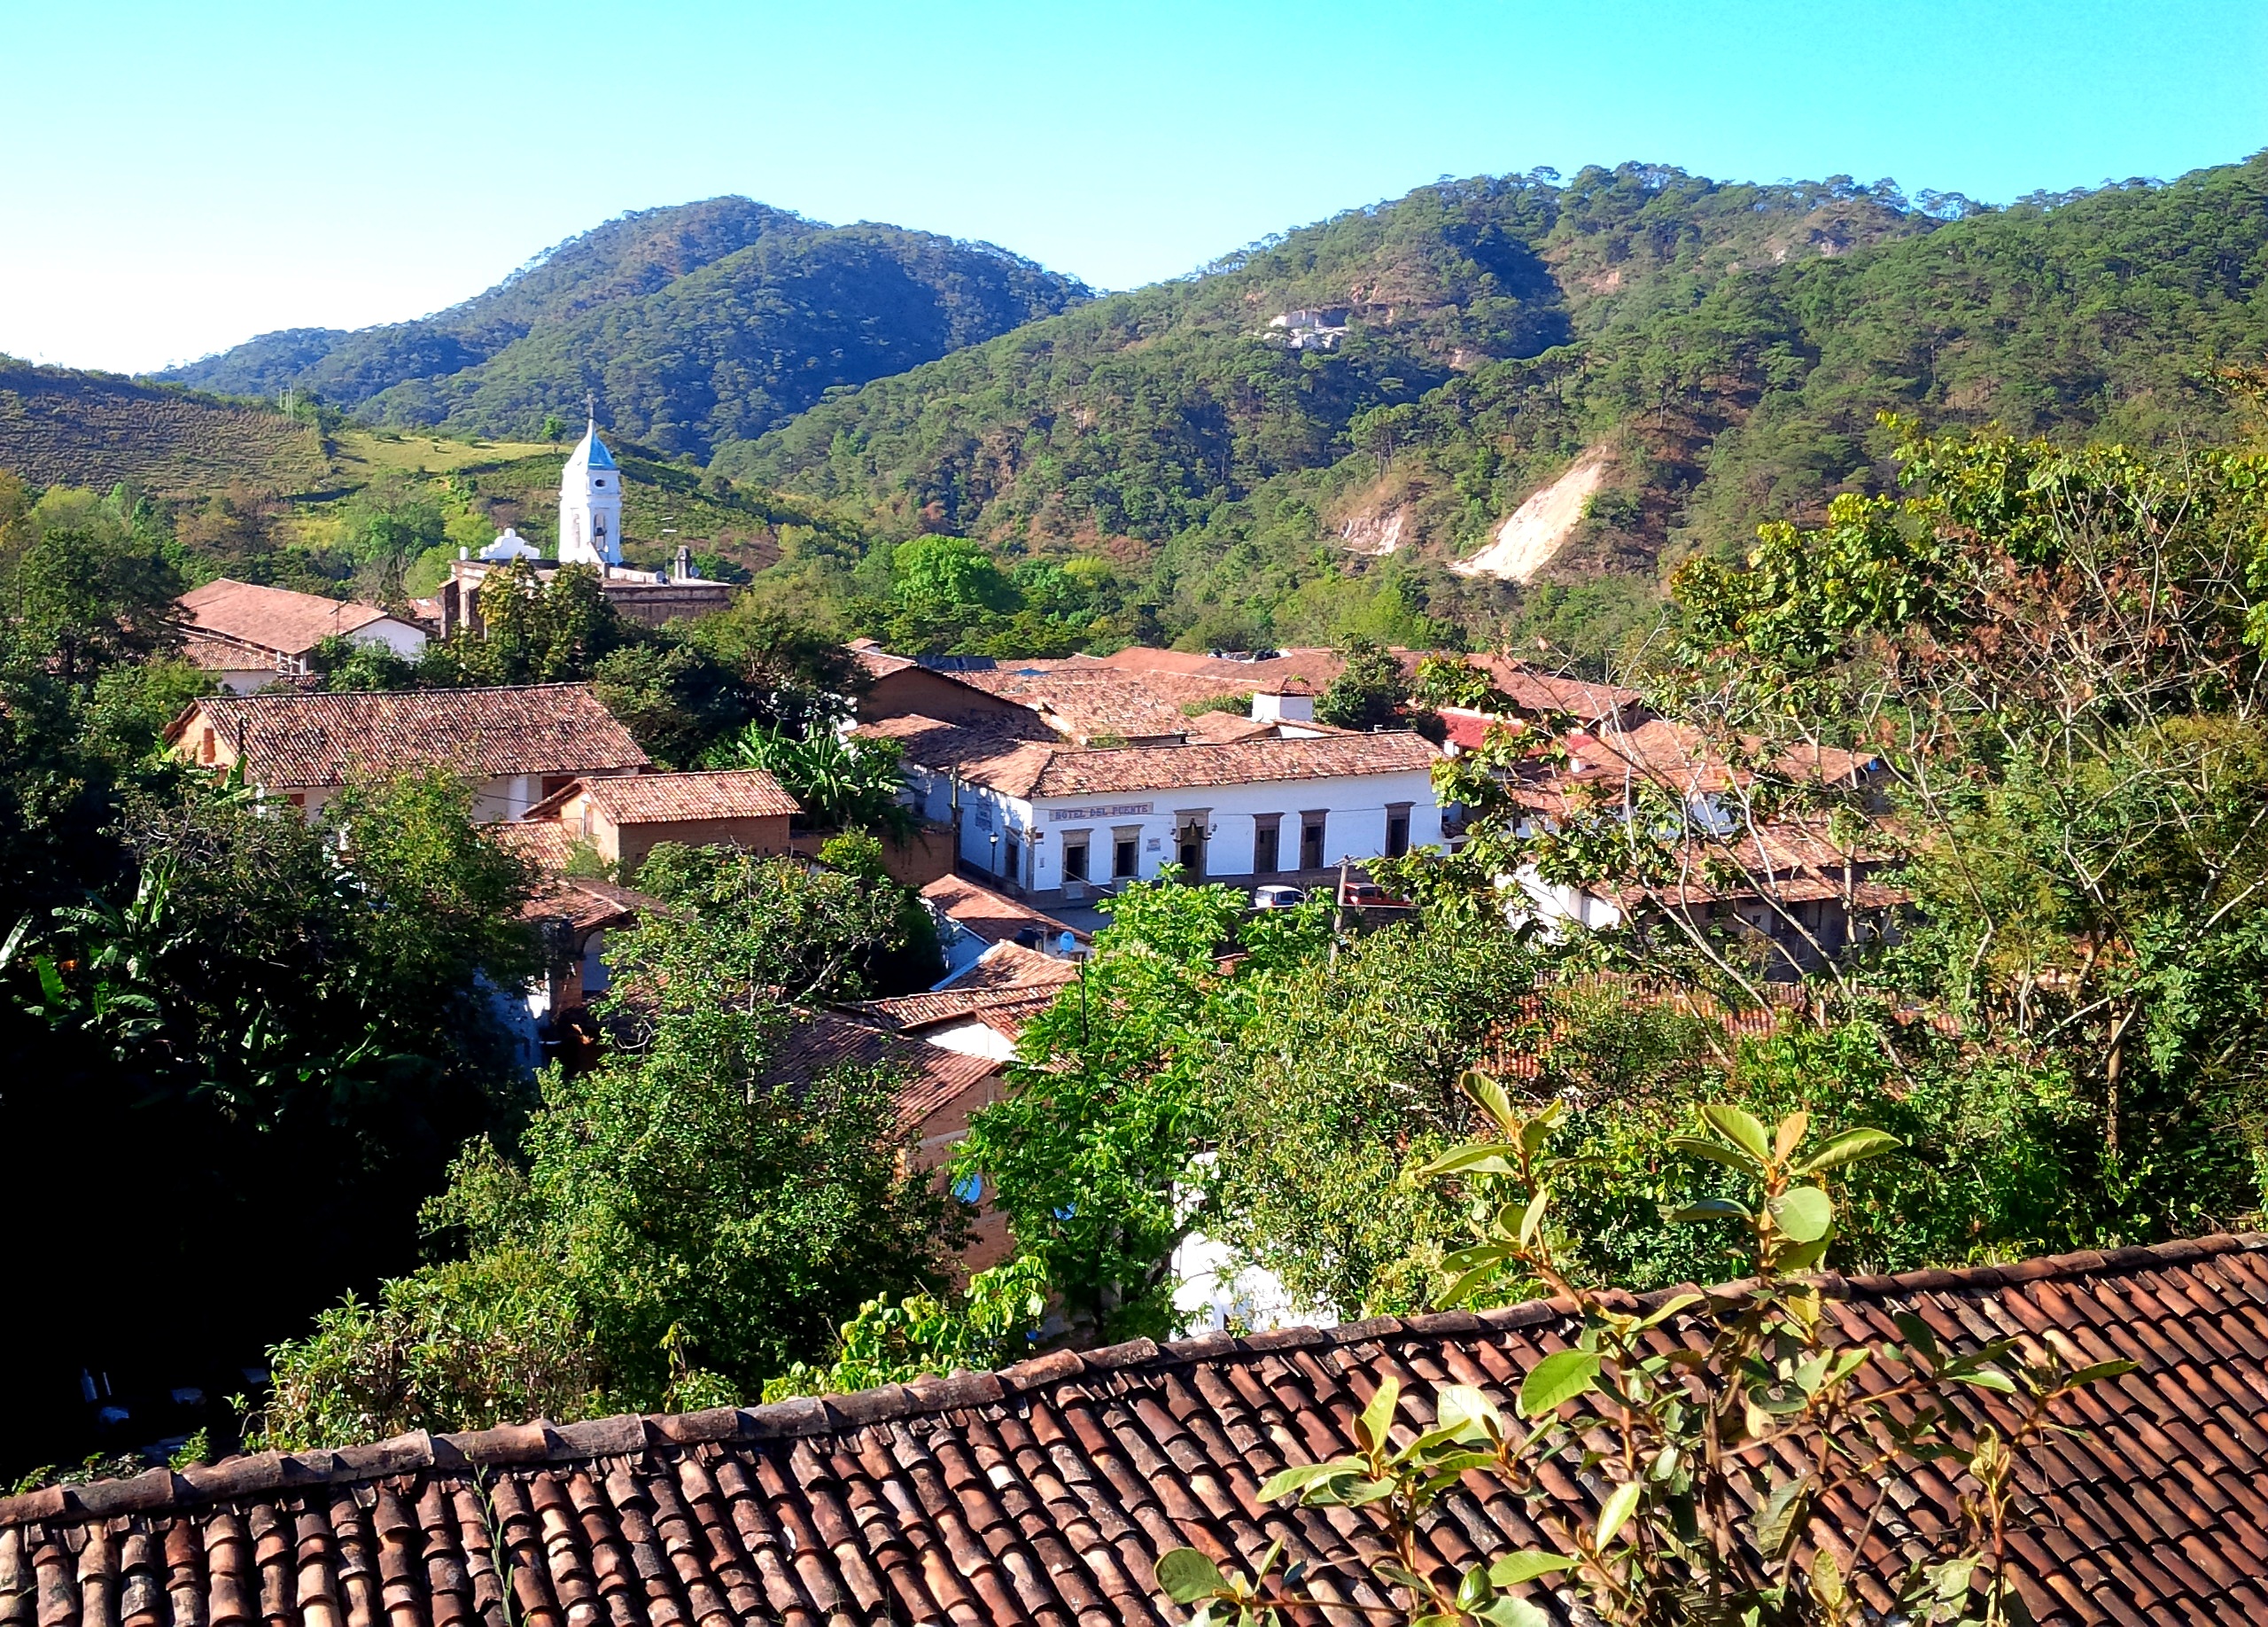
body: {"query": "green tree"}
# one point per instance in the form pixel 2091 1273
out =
pixel 685 1220
pixel 1369 693
pixel 239 998
pixel 951 574
pixel 347 668
pixel 993 1321
pixel 89 602
pixel 545 632
pixel 1094 1155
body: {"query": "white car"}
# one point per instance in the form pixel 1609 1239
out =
pixel 1277 897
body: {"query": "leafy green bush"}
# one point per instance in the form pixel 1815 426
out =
pixel 991 1322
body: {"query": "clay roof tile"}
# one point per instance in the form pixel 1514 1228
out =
pixel 1044 1493
pixel 290 739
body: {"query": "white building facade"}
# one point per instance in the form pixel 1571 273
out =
pixel 1290 810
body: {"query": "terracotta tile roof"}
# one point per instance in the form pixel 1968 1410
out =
pixel 585 903
pixel 1005 751
pixel 1532 691
pixel 877 662
pixel 1309 670
pixel 216 654
pixel 1468 729
pixel 1221 728
pixel 918 1014
pixel 271 619
pixel 993 916
pixel 316 739
pixel 545 844
pixel 1250 762
pixel 1044 1493
pixel 661 798
pixel 1092 703
pixel 1007 986
pixel 935 1076
pixel 1007 966
pixel 1680 758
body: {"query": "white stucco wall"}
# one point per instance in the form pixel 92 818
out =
pixel 399 636
pixel 493 801
pixel 1354 824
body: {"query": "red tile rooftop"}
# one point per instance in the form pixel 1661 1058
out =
pixel 1044 1493
pixel 271 619
pixel 294 739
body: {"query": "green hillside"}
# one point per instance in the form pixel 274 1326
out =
pixel 1723 349
pixel 61 427
pixel 707 322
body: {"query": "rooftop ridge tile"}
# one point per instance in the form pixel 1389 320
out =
pixel 631 1435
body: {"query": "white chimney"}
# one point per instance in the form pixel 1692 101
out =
pixel 1279 708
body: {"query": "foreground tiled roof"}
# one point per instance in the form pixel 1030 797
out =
pixel 1044 1493
pixel 1247 762
pixel 272 619
pixel 316 739
pixel 662 798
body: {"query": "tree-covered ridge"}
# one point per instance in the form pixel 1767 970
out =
pixel 737 347
pixel 704 322
pixel 1726 345
pixel 633 254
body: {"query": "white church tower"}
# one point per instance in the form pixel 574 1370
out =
pixel 590 504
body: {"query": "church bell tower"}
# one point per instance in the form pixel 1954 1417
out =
pixel 590 503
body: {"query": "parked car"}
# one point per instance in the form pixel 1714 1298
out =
pixel 1277 897
pixel 1370 895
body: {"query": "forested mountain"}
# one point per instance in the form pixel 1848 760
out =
pixel 692 325
pixel 1722 349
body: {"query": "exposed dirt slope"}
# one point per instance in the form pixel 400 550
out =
pixel 1525 543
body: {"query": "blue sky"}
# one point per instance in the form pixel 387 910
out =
pixel 177 178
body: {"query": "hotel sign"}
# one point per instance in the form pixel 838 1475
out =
pixel 1116 810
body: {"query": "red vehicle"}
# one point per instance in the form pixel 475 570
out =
pixel 1370 895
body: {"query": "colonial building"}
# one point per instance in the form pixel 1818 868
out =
pixel 623 819
pixel 516 746
pixel 590 505
pixel 1785 882
pixel 248 636
pixel 1059 822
